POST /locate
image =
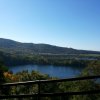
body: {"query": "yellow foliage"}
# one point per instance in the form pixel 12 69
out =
pixel 10 76
pixel 7 74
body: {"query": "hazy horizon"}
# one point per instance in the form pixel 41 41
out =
pixel 65 23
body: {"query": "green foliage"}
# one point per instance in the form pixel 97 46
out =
pixel 15 53
pixel 13 59
pixel 2 70
pixel 3 79
pixel 92 69
pixel 54 87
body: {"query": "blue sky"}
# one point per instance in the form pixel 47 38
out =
pixel 66 23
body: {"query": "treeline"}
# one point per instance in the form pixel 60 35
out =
pixel 13 59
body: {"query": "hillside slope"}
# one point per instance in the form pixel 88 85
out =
pixel 15 47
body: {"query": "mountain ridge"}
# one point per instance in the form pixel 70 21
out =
pixel 9 46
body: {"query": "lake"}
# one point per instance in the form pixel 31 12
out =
pixel 51 70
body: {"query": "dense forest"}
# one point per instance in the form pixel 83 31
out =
pixel 13 53
pixel 93 68
pixel 67 60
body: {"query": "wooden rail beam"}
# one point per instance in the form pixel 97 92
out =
pixel 49 81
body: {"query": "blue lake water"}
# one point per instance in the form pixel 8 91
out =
pixel 51 70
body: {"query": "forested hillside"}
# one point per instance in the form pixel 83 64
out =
pixel 11 46
pixel 16 53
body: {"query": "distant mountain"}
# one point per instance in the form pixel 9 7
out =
pixel 14 47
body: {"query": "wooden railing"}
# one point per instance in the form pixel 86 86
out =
pixel 39 94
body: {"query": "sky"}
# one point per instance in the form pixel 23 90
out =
pixel 66 23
